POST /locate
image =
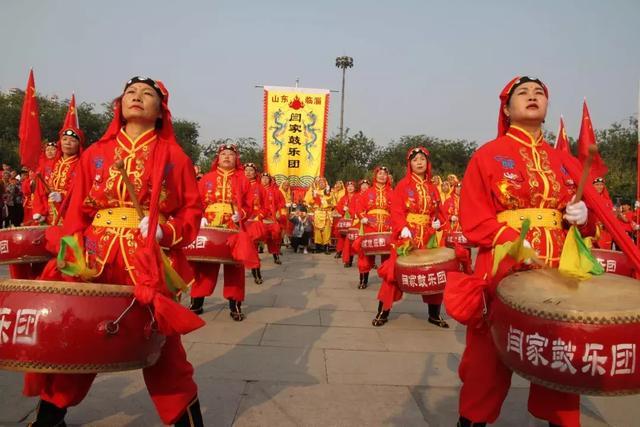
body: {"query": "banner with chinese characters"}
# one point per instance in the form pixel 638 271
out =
pixel 295 133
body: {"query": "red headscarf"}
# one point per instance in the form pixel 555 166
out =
pixel 375 174
pixel 503 120
pixel 426 153
pixel 234 148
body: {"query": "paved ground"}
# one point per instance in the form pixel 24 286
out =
pixel 308 355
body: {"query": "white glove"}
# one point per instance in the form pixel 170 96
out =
pixel 576 213
pixel 364 220
pixel 636 227
pixel 288 205
pixel 454 218
pixel 55 197
pixel 405 233
pixel 235 217
pixel 435 224
pixel 637 204
pixel 144 229
pixel 346 208
pixel 38 217
pixel 203 222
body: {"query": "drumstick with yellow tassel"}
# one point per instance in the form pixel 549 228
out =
pixel 173 278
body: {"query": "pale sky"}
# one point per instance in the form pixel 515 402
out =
pixel 421 67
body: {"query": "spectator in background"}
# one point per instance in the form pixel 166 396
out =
pixel 302 228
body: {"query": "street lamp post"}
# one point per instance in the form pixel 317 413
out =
pixel 343 62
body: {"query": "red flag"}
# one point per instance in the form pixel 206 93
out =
pixel 71 119
pixel 29 132
pixel 562 142
pixel 587 138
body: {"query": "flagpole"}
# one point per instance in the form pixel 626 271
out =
pixel 559 132
pixel 638 172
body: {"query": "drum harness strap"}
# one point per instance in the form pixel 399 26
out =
pixel 539 217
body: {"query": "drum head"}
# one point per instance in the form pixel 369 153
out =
pixel 421 257
pixel 608 298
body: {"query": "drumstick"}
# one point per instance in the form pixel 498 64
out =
pixel 585 172
pixel 46 186
pixel 130 188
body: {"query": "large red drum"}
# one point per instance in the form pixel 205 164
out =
pixel 424 271
pixel 66 327
pixel 569 335
pixel 614 262
pixel 23 245
pixel 343 225
pixel 211 246
pixel 376 243
pixel 353 234
pixel 456 237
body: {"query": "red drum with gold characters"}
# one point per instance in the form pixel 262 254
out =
pixel 353 234
pixel 456 237
pixel 575 336
pixel 22 245
pixel 376 243
pixel 211 246
pixel 614 262
pixel 343 225
pixel 66 327
pixel 424 271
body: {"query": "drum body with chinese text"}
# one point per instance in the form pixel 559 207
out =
pixel 67 327
pixel 456 237
pixel 424 271
pixel 22 245
pixel 569 335
pixel 211 246
pixel 353 233
pixel 614 262
pixel 376 243
pixel 343 225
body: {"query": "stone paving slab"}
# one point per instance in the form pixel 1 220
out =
pixel 278 404
pixel 392 368
pixel 321 337
pixel 258 363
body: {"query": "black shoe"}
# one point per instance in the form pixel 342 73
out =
pixel 49 415
pixel 192 416
pixel 364 280
pixel 326 250
pixel 257 276
pixel 235 310
pixel 196 305
pixel 439 322
pixel 463 422
pixel 276 259
pixel 260 249
pixel 347 265
pixel 338 255
pixel 381 318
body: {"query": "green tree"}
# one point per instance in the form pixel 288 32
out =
pixel 349 160
pixel 250 151
pixel 618 146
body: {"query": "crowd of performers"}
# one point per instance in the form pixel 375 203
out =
pixel 85 194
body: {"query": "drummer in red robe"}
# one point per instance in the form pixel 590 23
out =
pixel 226 199
pixel 256 215
pixel 373 208
pixel 48 200
pixel 276 212
pixel 346 208
pixel 101 215
pixel 28 187
pixel 516 176
pixel 603 237
pixel 451 210
pixel 416 216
